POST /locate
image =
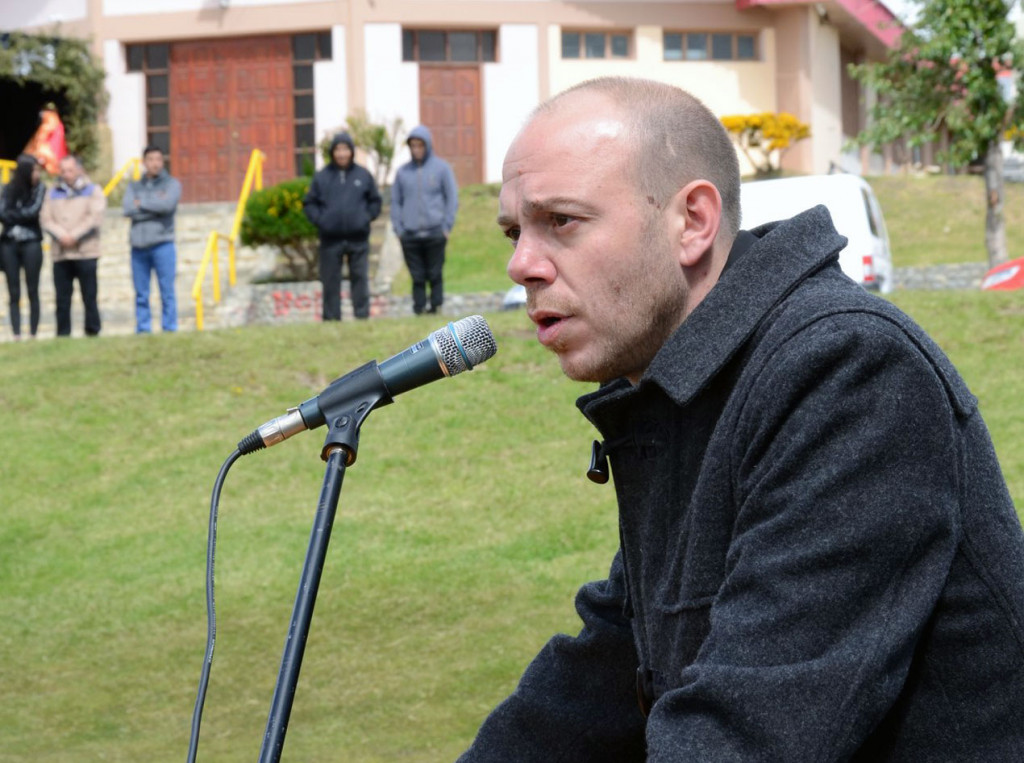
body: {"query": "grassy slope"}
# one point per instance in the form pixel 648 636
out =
pixel 931 220
pixel 463 531
pixel 461 536
pixel 941 219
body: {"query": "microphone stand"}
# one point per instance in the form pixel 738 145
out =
pixel 364 391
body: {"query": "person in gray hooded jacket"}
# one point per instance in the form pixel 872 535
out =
pixel 151 202
pixel 818 557
pixel 424 200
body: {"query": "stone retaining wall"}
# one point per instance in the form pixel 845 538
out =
pixel 966 275
pixel 301 302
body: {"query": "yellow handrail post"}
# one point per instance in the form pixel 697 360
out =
pixel 216 268
pixel 6 168
pixel 197 285
pixel 199 312
pixel 253 179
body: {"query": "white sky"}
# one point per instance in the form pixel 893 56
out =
pixel 901 8
pixel 906 9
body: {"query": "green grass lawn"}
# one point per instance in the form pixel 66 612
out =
pixel 463 531
pixel 940 219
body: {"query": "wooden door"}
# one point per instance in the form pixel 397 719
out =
pixel 450 107
pixel 228 97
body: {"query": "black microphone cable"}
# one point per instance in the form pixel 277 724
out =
pixel 211 612
pixel 448 351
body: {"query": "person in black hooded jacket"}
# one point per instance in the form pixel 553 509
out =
pixel 342 202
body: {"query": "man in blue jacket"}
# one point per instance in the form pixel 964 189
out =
pixel 424 200
pixel 151 202
pixel 342 202
pixel 818 556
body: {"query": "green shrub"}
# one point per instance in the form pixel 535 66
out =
pixel 274 217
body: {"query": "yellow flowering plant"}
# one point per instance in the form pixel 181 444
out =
pixel 764 137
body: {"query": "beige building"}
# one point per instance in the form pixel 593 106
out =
pixel 208 80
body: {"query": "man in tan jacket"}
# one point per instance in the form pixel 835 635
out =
pixel 72 215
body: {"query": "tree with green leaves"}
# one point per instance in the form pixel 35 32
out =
pixel 944 79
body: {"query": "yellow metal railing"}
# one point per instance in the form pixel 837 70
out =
pixel 6 168
pixel 253 181
pixel 132 165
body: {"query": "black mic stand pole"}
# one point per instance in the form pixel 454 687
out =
pixel 365 390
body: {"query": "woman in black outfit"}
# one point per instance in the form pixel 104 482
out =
pixel 21 242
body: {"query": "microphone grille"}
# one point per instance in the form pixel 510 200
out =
pixel 473 336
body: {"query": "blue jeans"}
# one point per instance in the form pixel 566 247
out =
pixel 162 259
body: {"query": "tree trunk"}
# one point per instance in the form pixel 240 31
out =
pixel 995 223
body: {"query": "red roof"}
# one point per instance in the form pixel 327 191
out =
pixel 872 15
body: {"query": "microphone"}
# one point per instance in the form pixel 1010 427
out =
pixel 448 351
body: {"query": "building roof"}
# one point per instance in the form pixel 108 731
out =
pixel 869 22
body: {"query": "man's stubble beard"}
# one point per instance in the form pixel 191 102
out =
pixel 634 343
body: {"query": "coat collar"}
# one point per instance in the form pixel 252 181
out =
pixel 784 255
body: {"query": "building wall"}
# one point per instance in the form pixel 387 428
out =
pixel 134 7
pixel 510 87
pixel 126 110
pixel 826 117
pixel 139 21
pixel 797 71
pixel 392 85
pixel 725 87
pixel 793 79
pixel 511 90
pixel 330 83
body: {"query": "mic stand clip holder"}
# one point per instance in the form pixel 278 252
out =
pixel 354 396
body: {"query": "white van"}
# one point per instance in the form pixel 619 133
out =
pixel 855 211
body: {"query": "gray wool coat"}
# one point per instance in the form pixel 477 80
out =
pixel 819 557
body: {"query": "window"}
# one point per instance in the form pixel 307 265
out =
pixel 432 46
pixel 570 45
pixel 745 48
pixel 154 61
pixel 437 46
pixel 463 46
pixel 709 46
pixel 721 47
pixel 307 48
pixel 595 44
pixel 673 46
pixel 696 47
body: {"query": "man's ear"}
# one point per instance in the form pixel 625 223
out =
pixel 697 213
